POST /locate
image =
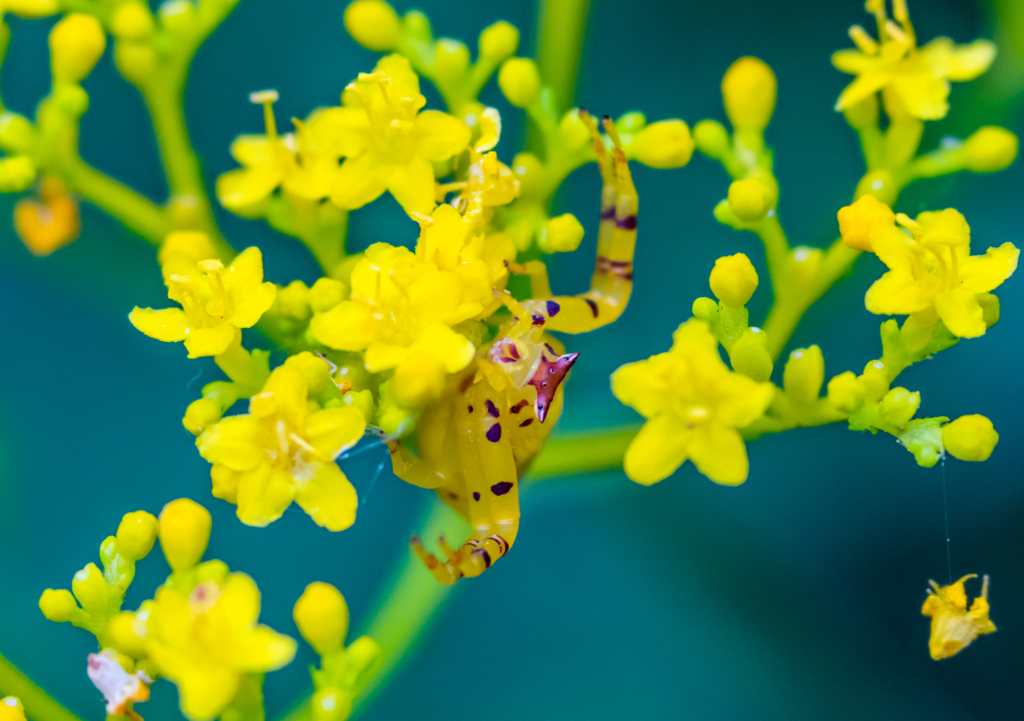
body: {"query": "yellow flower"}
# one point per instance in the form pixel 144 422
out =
pixel 931 269
pixel 387 142
pixel 917 77
pixel 293 162
pixel 206 639
pixel 953 626
pixel 404 304
pixel 694 404
pixel 217 302
pixel 284 450
pixel 49 223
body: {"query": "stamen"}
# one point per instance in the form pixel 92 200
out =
pixel 266 98
pixel 954 270
pixel 282 436
pixel 864 42
pixel 899 11
pixel 895 32
pixel 909 223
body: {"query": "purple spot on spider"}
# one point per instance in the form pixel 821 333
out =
pixel 592 304
pixel 627 223
pixel 608 213
pixel 469 408
pixel 500 489
pixel 492 410
pixel 519 406
pixel 525 423
pixel 494 433
pixel 538 319
pixel 553 308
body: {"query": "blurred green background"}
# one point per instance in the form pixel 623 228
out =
pixel 794 596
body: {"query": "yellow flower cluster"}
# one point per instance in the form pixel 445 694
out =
pixel 932 274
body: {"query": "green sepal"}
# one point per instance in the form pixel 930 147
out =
pixel 923 438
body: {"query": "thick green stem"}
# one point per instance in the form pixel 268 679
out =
pixel 139 214
pixel 38 704
pixel 583 452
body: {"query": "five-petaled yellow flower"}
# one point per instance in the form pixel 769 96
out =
pixel 205 640
pixel 216 302
pixel 387 142
pixel 284 450
pixel 931 269
pixel 953 626
pixel 694 404
pixel 918 77
pixel 404 304
pixel 293 162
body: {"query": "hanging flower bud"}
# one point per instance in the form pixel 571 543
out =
pixel 970 438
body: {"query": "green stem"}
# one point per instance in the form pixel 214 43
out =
pixel 776 249
pixel 583 452
pixel 39 706
pixel 139 214
pixel 189 201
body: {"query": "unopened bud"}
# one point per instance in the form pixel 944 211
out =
pixel 846 392
pixel 561 235
pixel 531 174
pixel 76 45
pixel 498 41
pixel 373 24
pixel 878 183
pixel 16 174
pixel 748 91
pixel 90 589
pixel 322 617
pixel 519 81
pixel 711 138
pixel 750 199
pixel 57 605
pixel 749 355
pixel 451 60
pixel 17 134
pixel 200 415
pixel 863 114
pixel 970 438
pixel 136 534
pixel 326 293
pixel 864 220
pixel 31 8
pixel 804 374
pixel 193 244
pixel 132 21
pixel 573 133
pixel 664 144
pixel 897 407
pixel 177 16
pixel 136 61
pixel 330 704
pixel 990 148
pixel 733 280
pixel 184 533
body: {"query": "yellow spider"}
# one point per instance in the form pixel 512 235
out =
pixel 479 438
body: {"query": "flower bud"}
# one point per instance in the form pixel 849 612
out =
pixel 804 374
pixel 17 134
pixel 664 144
pixel 90 588
pixel 200 415
pixel 57 605
pixel 136 534
pixel 970 438
pixel 326 293
pixel 733 280
pixel 705 309
pixel 863 220
pixel 123 635
pixel 531 174
pixel 748 91
pixel 749 355
pixel 373 24
pixel 31 8
pixel 519 81
pixel 846 392
pixel 11 708
pixel 135 61
pixel 451 60
pixel 322 617
pixel 711 138
pixel 897 407
pixel 16 174
pixel 631 123
pixel 878 183
pixel 802 265
pixel 292 301
pixel 498 41
pixel 862 114
pixel 750 199
pixel 990 148
pixel 132 21
pixel 177 16
pixel 560 235
pixel 184 533
pixel 573 133
pixel 330 704
pixel 76 44
pixel 193 244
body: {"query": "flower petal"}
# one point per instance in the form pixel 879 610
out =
pixel 263 495
pixel 239 602
pixel 441 135
pixel 863 86
pixel 245 187
pixel 719 453
pixel 451 348
pixel 213 341
pixel 332 430
pixel 262 649
pixel 984 273
pixel 854 62
pixel 347 326
pixel 657 450
pixel 413 186
pixel 340 132
pixel 205 691
pixel 360 180
pixel 235 442
pixel 961 312
pixel 252 150
pixel 643 385
pixel 959 62
pixel 329 498
pixel 923 95
pixel 896 293
pixel 169 325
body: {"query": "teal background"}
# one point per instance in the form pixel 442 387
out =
pixel 794 596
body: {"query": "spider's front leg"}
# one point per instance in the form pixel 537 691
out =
pixel 492 485
pixel 612 282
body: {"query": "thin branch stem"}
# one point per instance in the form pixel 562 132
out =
pixel 39 706
pixel 138 213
